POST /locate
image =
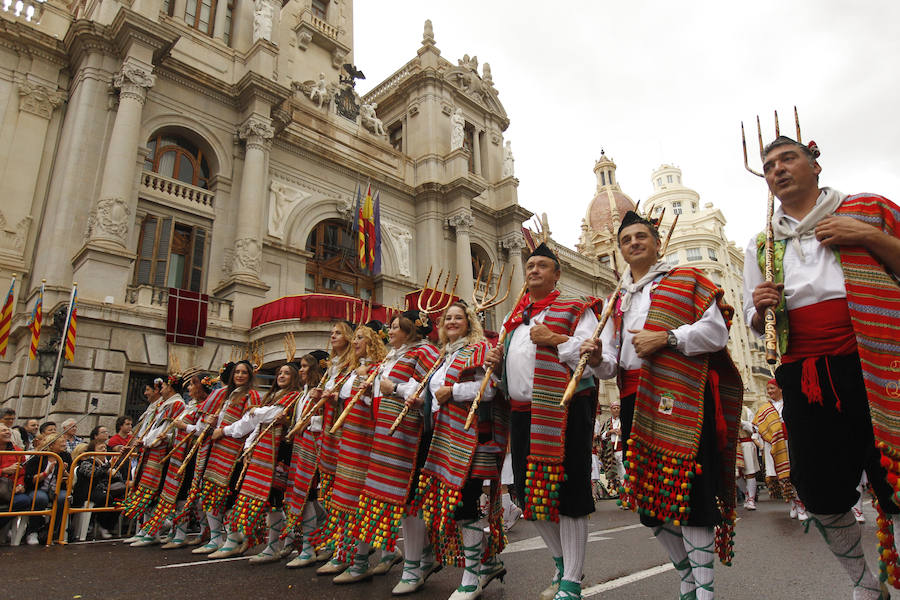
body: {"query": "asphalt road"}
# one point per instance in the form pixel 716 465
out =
pixel 774 560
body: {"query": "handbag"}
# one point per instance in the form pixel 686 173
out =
pixel 6 491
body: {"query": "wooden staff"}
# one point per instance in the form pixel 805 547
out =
pixel 366 384
pixel 418 392
pixel 304 422
pixel 771 337
pixel 490 370
pixel 308 408
pixel 604 317
pixel 202 437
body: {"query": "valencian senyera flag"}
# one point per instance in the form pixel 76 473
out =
pixel 6 317
pixel 368 228
pixel 34 324
pixel 70 330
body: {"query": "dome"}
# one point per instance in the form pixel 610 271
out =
pixel 607 208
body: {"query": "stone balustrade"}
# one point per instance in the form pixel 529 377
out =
pixel 389 83
pixel 323 27
pixel 177 193
pixel 149 296
pixel 30 10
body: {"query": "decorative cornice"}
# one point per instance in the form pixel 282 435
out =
pixel 129 26
pixel 255 86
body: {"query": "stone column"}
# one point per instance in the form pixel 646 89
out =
pixel 108 224
pixel 462 222
pixel 513 243
pixel 220 23
pixel 257 133
pixel 476 149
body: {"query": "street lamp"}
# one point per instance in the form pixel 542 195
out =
pixel 47 354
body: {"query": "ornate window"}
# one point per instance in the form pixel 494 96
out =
pixel 676 207
pixel 712 254
pixel 177 158
pixel 395 136
pixel 334 268
pixel 694 254
pixel 198 14
pixel 469 145
pixel 170 254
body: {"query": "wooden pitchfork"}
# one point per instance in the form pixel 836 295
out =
pixel 483 299
pixel 771 337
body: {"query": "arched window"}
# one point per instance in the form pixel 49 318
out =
pixel 334 268
pixel 175 157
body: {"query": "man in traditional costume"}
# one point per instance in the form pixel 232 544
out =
pixel 550 444
pixel 681 402
pixel 837 304
pixel 611 446
pixel 768 423
pixel 747 458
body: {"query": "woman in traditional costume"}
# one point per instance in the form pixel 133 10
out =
pixel 301 491
pixel 156 446
pixel 177 481
pixel 459 460
pixel 358 430
pixel 216 483
pixel 396 459
pixel 260 497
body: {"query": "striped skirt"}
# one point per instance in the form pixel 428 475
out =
pixel 303 473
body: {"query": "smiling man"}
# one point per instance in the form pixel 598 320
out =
pixel 550 445
pixel 681 400
pixel 837 304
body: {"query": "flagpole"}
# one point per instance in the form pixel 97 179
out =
pixel 62 343
pixel 22 387
pixel 27 356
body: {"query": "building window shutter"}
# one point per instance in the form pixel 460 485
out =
pixel 196 280
pixel 162 253
pixel 146 249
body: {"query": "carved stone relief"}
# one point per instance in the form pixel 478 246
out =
pixel 109 220
pixel 401 238
pixel 14 239
pixel 247 256
pixel 263 17
pixel 282 200
pixel 38 99
pixel 457 123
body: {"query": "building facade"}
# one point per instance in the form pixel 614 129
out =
pixel 698 240
pixel 218 149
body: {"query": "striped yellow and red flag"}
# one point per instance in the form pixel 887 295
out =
pixel 6 317
pixel 366 228
pixel 70 330
pixel 34 325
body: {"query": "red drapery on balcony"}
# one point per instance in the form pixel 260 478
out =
pixel 186 317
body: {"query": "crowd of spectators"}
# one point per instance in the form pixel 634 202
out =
pixel 29 482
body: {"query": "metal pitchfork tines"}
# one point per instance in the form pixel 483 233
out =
pixel 771 339
pixel 290 347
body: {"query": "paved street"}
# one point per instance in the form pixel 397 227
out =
pixel 774 561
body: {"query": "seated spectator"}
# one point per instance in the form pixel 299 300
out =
pixel 46 432
pixel 8 417
pixel 28 432
pixel 69 429
pixel 105 489
pixel 123 434
pixel 12 474
pixel 98 433
pixel 40 479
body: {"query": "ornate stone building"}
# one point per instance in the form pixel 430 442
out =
pixel 698 241
pixel 216 149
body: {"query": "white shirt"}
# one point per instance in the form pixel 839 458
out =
pixel 160 423
pixel 709 334
pixel 520 358
pixel 810 279
pixel 462 391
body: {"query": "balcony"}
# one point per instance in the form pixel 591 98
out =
pixel 310 28
pixel 157 299
pixel 177 194
pixel 30 10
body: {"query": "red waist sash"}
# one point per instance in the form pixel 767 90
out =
pixel 629 383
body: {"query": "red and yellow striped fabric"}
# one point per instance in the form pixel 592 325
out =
pixel 393 458
pixel 545 471
pixel 37 317
pixel 249 513
pixel 224 452
pixel 350 474
pixel 771 429
pixel 70 331
pixel 303 471
pixel 6 318
pixel 165 505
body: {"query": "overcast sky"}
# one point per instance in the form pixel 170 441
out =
pixel 665 82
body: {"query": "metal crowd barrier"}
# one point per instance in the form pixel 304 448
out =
pixel 109 504
pixel 7 510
